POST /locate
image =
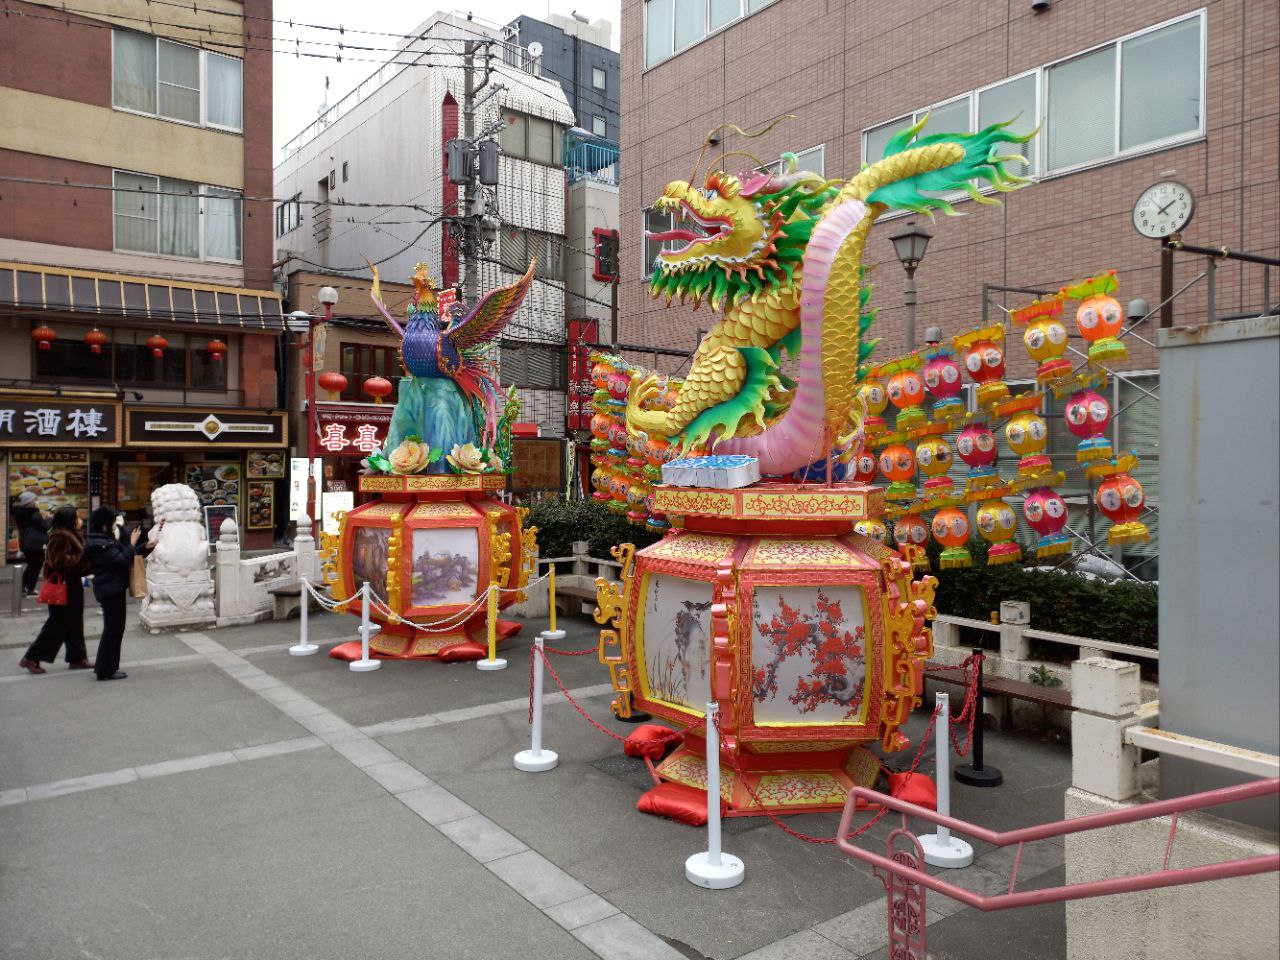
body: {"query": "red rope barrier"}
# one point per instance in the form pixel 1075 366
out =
pixel 533 652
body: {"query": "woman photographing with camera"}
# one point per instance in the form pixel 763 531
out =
pixel 110 559
pixel 64 592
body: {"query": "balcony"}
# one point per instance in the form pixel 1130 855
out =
pixel 596 161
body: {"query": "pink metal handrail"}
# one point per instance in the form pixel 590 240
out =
pixel 1074 891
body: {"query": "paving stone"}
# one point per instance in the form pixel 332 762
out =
pixel 184 764
pixel 58 788
pixel 537 879
pixel 8 797
pixel 482 838
pixel 436 805
pixel 805 945
pixel 621 938
pixel 396 776
pixel 278 748
pixel 407 725
pixel 575 913
pixel 1036 859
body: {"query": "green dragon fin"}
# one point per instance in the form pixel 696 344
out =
pixel 722 420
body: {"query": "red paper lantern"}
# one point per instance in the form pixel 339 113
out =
pixel 95 338
pixel 332 381
pixel 157 345
pixel 377 387
pixel 44 337
pixel 217 350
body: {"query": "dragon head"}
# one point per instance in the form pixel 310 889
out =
pixel 735 236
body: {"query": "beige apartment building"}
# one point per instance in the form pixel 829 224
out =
pixel 139 327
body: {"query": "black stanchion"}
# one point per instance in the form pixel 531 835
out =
pixel 976 774
pixel 637 716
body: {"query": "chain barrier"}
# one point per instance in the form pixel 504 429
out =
pixel 533 652
pixel 571 653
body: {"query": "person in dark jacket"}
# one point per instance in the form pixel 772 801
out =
pixel 110 559
pixel 33 535
pixel 64 557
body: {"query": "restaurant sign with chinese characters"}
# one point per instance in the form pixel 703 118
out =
pixel 59 422
pixel 352 429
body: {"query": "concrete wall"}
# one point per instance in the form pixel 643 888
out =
pixel 591 206
pixel 1225 919
pixel 1220 535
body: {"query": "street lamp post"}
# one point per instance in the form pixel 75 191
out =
pixel 909 244
pixel 302 322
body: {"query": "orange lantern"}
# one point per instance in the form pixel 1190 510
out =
pixel 44 337
pixel 997 523
pixel 1121 498
pixel 905 389
pixel 1099 316
pixel 898 464
pixel 217 350
pixel 157 344
pixel 95 338
pixel 332 381
pixel 378 387
pixel 951 529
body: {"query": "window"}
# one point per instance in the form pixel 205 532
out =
pixel 597 78
pixel 655 221
pixel 176 81
pixel 672 25
pixel 598 126
pixel 517 247
pixel 175 218
pixel 362 361
pixel 527 137
pixel 126 359
pixel 814 160
pixel 1142 92
pixel 532 365
pixel 333 179
pixel 288 215
pixel 344 171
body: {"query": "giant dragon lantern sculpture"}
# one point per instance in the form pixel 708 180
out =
pixel 764 598
pixel 435 538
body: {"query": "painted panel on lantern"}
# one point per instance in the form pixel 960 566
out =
pixel 808 654
pixel 677 641
pixel 446 565
pixel 370 562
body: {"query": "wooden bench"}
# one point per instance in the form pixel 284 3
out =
pixel 1036 693
pixel 569 600
pixel 288 601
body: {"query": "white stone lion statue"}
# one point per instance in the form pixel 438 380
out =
pixel 179 581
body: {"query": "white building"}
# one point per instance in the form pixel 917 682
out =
pixel 383 144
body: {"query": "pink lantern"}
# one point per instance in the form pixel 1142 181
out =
pixel 1088 414
pixel 976 446
pixel 1046 514
pixel 943 381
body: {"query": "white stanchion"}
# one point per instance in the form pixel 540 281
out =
pixel 364 664
pixel 536 759
pixel 493 661
pixel 942 849
pixel 304 647
pixel 714 869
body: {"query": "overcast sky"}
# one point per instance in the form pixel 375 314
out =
pixel 299 82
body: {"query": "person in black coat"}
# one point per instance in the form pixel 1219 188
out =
pixel 65 624
pixel 110 559
pixel 33 537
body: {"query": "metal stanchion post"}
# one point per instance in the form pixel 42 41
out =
pixel 553 634
pixel 364 664
pixel 536 759
pixel 714 869
pixel 494 662
pixel 304 647
pixel 942 849
pixel 15 589
pixel 975 774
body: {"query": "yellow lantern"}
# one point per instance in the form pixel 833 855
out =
pixel 997 523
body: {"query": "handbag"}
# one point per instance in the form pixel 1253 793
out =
pixel 138 578
pixel 53 591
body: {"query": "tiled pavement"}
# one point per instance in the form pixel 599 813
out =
pixel 228 800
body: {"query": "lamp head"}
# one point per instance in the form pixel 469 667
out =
pixel 327 296
pixel 910 243
pixel 298 322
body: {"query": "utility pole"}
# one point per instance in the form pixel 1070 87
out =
pixel 471 245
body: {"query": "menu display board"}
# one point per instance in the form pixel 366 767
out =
pixel 57 478
pixel 266 464
pixel 216 484
pixel 261 505
pixel 214 518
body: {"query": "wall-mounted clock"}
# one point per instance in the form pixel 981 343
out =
pixel 1163 209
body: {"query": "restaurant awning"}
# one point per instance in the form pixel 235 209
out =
pixel 29 286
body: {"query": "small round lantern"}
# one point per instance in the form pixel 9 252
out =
pixel 1121 498
pixel 332 381
pixel 600 424
pixel 378 388
pixel 1099 316
pixel 600 484
pixel 1046 514
pixel 600 373
pixel 95 338
pixel 44 337
pixel 873 395
pixel 910 530
pixel 618 384
pixel 619 486
pixel 1027 435
pixel 942 378
pixel 976 446
pixel 983 352
pixel 898 464
pixel 864 467
pixel 1045 339
pixel 933 457
pixel 951 529
pixel 1088 413
pixel 997 523
pixel 158 344
pixel 217 350
pixel 905 390
pixel 873 528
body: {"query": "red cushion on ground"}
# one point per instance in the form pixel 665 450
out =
pixel 650 740
pixel 463 651
pixel 677 802
pixel 914 788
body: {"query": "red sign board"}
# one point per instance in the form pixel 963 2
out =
pixel 352 429
pixel 581 333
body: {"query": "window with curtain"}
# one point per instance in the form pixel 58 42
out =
pixel 1160 84
pixel 876 139
pixel 179 218
pixel 178 77
pixel 1012 100
pixel 1082 109
pixel 133 71
pixel 598 126
pixel 222 225
pixel 527 137
pixel 137 212
pixel 224 93
pixel 657 30
pixel 597 78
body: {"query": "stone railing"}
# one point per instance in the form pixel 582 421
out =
pixel 575 582
pixel 242 586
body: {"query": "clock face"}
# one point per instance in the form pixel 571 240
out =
pixel 1163 209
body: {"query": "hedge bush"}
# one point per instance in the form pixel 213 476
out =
pixel 1122 611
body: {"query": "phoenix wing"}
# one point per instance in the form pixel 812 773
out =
pixel 491 314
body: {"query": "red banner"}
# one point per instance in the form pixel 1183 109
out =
pixel 580 387
pixel 352 429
